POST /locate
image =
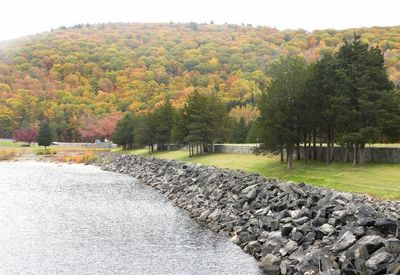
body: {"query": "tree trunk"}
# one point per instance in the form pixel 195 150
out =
pixel 305 151
pixel 332 156
pixel 328 147
pixel 355 154
pixel 298 151
pixel 289 158
pixel 314 145
pixel 321 151
pixel 287 154
pixel 327 152
pixel 282 157
pixel 362 155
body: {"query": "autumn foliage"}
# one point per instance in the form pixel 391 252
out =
pixel 92 129
pixel 27 135
pixel 78 78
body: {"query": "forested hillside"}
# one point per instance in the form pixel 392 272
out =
pixel 81 79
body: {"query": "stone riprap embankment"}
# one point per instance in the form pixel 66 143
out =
pixel 290 228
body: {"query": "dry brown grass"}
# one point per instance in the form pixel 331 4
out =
pixel 77 156
pixel 7 155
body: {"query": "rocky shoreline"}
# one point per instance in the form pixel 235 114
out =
pixel 289 228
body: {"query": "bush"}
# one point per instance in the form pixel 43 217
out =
pixel 45 152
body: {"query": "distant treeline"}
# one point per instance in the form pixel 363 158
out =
pixel 343 98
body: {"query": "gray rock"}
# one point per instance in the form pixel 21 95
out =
pixel 331 272
pixel 295 214
pixel 301 220
pixel 252 194
pixel 365 211
pixel 262 211
pixel 269 260
pixel 392 246
pixel 326 229
pixel 286 229
pixel 310 237
pixel 326 263
pixel 235 239
pixel 214 214
pixel 204 215
pixel 347 240
pixel 263 236
pixel 271 270
pixel 298 255
pixel 360 266
pixel 371 242
pixel 253 244
pixel 296 235
pixel 378 260
pixel 394 267
pixel 309 264
pixel 248 189
pixel 357 251
pixel 289 248
pixel 386 226
pixel 273 245
pixel 358 231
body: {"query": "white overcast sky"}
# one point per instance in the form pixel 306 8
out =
pixel 23 17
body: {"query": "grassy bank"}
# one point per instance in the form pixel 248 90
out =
pixel 6 143
pixel 376 179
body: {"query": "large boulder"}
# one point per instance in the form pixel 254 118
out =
pixel 347 240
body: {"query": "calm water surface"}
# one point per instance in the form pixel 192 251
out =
pixel 75 219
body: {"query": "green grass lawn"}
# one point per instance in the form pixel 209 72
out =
pixel 376 179
pixel 4 143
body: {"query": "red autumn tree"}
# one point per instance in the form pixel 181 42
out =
pixel 106 125
pixel 103 128
pixel 27 135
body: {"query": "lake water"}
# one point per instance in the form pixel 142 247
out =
pixel 76 219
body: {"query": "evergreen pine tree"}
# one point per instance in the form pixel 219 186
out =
pixel 283 108
pixel 123 133
pixel 253 135
pixel 164 118
pixel 145 130
pixel 240 131
pixel 364 85
pixel 206 120
pixel 179 129
pixel 44 137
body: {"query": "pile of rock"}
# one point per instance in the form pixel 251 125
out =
pixel 290 228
